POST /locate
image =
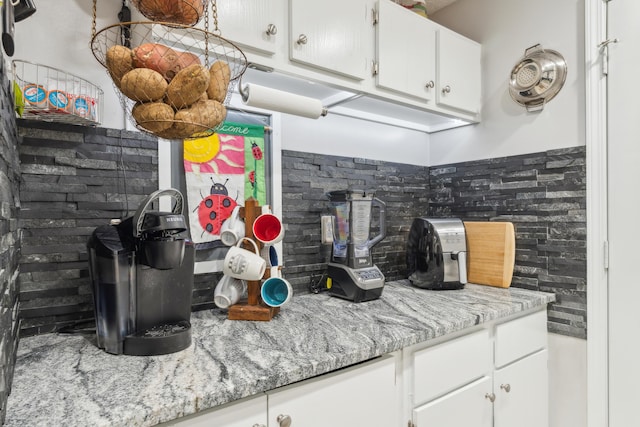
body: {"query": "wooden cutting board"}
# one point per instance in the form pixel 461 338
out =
pixel 491 253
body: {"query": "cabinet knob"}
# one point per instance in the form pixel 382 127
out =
pixel 446 89
pixel 283 420
pixel 490 396
pixel 430 85
pixel 506 387
pixel 302 39
pixel 272 30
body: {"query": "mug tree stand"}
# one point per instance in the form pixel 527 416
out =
pixel 253 308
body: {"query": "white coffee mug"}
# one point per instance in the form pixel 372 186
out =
pixel 228 291
pixel 268 228
pixel 232 228
pixel 276 291
pixel 243 264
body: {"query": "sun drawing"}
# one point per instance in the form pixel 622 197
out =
pixel 220 154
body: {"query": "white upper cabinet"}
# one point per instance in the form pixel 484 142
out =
pixel 332 35
pixel 253 24
pixel 459 70
pixel 405 51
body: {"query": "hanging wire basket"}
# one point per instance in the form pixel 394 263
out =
pixel 182 12
pixel 49 94
pixel 173 79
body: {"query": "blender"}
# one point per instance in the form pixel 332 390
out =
pixel 351 273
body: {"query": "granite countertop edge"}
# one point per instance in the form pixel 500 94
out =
pixel 67 379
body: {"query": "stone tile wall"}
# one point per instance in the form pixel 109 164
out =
pixel 307 177
pixel 74 178
pixel 9 237
pixel 544 195
pixel 72 181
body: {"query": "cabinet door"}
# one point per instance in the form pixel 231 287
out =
pixel 464 407
pixel 255 24
pixel 459 71
pixel 522 393
pixel 406 51
pixel 244 413
pixel 365 395
pixel 332 35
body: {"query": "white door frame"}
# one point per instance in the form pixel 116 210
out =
pixel 596 163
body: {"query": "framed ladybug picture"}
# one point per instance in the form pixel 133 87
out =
pixel 221 171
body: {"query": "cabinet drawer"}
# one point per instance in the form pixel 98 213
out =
pixel 447 366
pixel 520 337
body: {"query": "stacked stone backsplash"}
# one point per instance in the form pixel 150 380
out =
pixel 543 194
pixel 305 180
pixel 74 178
pixel 9 237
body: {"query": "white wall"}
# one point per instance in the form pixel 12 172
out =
pixel 506 28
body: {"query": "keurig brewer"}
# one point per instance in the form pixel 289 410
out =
pixel 351 272
pixel 142 279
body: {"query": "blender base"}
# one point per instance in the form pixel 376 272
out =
pixel 354 284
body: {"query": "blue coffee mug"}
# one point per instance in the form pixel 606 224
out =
pixel 276 291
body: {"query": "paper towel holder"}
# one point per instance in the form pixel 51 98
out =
pixel 283 107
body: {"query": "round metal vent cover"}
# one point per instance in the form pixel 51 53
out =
pixel 537 77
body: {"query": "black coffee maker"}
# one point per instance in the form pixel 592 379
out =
pixel 141 272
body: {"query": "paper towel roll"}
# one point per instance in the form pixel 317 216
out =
pixel 284 102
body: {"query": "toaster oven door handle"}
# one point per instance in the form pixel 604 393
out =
pixel 462 265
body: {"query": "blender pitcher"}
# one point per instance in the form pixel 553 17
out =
pixel 351 272
pixel 351 211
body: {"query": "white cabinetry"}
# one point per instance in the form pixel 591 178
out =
pixel 465 383
pixel 253 24
pixel 450 376
pixel 521 390
pixel 520 383
pixel 420 58
pixel 244 413
pixel 362 395
pixel 374 48
pixel 462 407
pixel 332 35
pixel 405 51
pixel 459 71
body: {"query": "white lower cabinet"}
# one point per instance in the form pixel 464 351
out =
pixel 521 393
pixel 494 377
pixel 465 406
pixel 362 395
pixel 247 412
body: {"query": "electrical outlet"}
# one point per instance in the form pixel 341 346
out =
pixel 327 229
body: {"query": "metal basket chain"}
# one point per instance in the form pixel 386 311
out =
pixel 93 23
pixel 214 13
pixel 206 36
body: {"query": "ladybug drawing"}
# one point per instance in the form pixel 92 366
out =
pixel 215 208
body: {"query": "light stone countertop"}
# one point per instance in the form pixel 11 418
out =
pixel 66 380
